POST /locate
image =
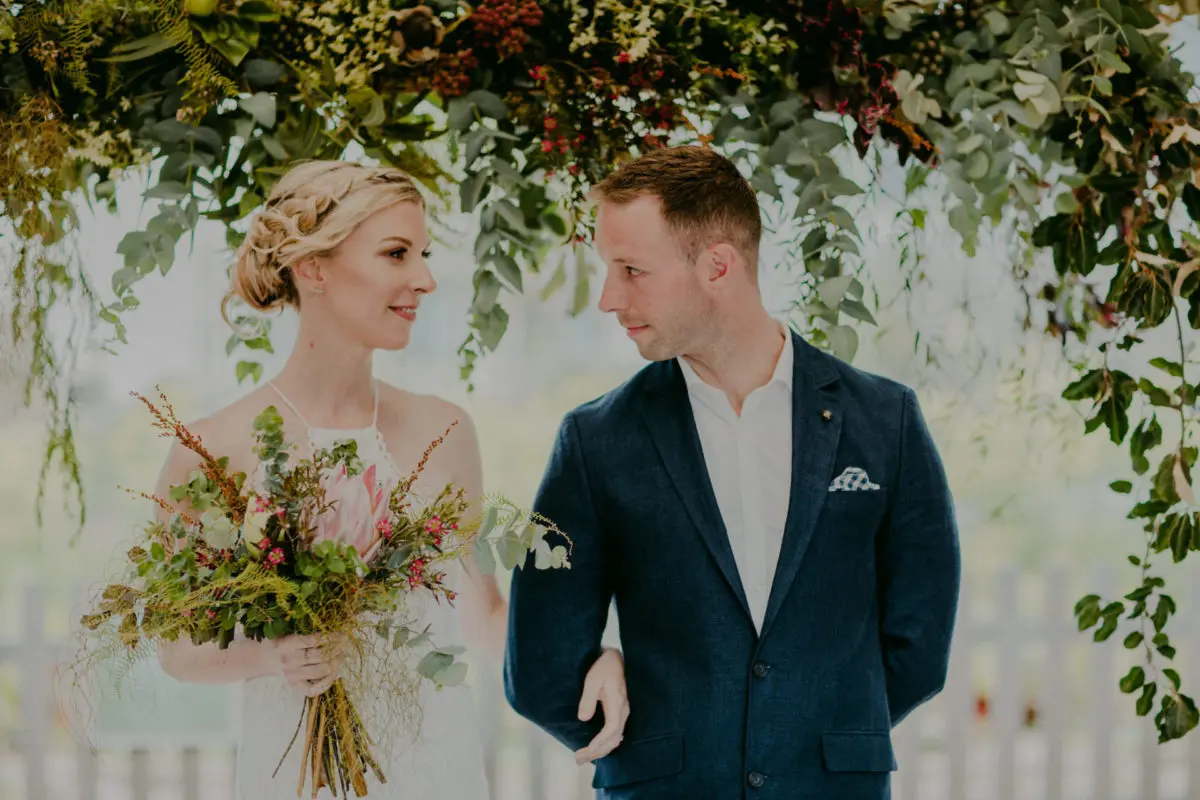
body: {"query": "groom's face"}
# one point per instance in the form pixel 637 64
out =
pixel 652 288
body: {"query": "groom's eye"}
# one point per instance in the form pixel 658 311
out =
pixel 633 270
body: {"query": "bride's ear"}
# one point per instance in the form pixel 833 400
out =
pixel 308 276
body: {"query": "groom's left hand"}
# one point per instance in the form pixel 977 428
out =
pixel 605 684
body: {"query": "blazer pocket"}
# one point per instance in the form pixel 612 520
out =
pixel 640 760
pixel 858 751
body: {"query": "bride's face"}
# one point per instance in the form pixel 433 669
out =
pixel 375 279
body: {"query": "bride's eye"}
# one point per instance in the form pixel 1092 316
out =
pixel 399 252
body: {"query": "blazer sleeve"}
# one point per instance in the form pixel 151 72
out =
pixel 919 570
pixel 557 617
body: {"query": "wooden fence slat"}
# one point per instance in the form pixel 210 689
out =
pixel 35 692
pixel 1053 705
pixel 1104 685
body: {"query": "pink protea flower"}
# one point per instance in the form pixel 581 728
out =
pixel 359 505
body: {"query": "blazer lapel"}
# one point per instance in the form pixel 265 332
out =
pixel 667 412
pixel 816 429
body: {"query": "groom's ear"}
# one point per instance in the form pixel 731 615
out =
pixel 719 263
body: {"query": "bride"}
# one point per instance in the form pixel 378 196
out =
pixel 345 246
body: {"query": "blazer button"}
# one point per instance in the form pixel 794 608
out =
pixel 757 779
pixel 761 669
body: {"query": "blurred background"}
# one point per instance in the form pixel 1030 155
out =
pixel 1031 710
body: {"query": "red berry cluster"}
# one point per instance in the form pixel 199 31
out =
pixel 503 24
pixel 451 73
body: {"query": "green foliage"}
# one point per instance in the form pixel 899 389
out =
pixel 1070 123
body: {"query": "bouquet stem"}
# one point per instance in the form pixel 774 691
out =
pixel 337 744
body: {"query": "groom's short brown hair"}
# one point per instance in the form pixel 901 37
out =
pixel 705 199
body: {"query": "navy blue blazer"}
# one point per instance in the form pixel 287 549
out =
pixel 858 627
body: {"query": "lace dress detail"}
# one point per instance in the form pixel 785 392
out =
pixel 441 757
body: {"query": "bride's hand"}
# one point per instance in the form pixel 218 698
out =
pixel 605 682
pixel 309 664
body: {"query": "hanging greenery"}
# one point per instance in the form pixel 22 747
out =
pixel 1068 123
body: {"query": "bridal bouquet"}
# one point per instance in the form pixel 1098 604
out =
pixel 315 547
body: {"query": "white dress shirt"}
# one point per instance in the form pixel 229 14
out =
pixel 749 460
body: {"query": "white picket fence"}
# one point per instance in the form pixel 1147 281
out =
pixel 1030 712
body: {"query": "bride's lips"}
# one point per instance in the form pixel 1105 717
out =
pixel 404 312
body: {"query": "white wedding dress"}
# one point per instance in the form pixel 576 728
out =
pixel 441 758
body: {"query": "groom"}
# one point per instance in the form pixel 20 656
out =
pixel 774 525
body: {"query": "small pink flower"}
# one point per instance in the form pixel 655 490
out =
pixel 433 525
pixel 210 613
pixel 264 544
pixel 275 557
pixel 384 526
pixel 281 512
pixel 187 612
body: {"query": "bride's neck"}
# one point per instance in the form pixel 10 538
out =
pixel 329 380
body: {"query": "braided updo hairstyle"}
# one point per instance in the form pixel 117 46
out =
pixel 312 210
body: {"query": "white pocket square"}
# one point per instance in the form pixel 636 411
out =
pixel 853 479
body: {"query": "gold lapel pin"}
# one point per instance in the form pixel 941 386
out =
pixel 827 415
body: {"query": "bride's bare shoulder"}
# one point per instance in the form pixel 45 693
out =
pixel 402 409
pixel 229 431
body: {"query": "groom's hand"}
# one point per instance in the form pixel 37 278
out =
pixel 309 664
pixel 605 683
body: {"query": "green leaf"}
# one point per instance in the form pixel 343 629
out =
pixel 1172 676
pixel 1106 629
pixel 167 190
pixel 508 269
pixel 843 341
pixel 1110 60
pixel 1178 717
pixel 1133 680
pixel 258 11
pixel 139 49
pixel 1133 640
pixel 487 291
pixel 1121 487
pixel 832 290
pixel 472 190
pixel 1172 368
pixel 1089 386
pixel 490 105
pixel 556 282
pixel 260 106
pixel 819 137
pixel 262 73
pixel 249 369
pixel 433 663
pixel 482 551
pixel 453 675
pixel 1146 701
pixel 460 114
pixel 157 552
pixel 1164 609
pixel 1191 200
pixel 510 551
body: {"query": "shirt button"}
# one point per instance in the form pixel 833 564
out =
pixel 757 779
pixel 761 670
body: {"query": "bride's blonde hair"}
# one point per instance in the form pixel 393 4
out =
pixel 312 210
